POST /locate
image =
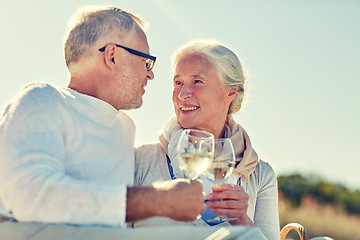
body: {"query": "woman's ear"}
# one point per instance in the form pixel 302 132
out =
pixel 233 91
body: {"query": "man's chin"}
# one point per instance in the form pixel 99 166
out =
pixel 134 105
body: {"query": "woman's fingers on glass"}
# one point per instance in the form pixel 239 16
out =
pixel 237 211
pixel 228 195
pixel 230 213
pixel 226 186
pixel 227 204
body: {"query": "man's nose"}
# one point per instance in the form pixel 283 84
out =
pixel 150 75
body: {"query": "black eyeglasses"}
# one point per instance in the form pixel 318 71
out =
pixel 150 61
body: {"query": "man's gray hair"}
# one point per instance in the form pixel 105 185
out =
pixel 91 23
pixel 223 59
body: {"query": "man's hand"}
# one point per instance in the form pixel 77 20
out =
pixel 179 199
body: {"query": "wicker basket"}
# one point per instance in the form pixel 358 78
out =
pixel 299 229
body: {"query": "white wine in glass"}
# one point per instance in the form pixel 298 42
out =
pixel 195 152
pixel 221 167
pixel 223 163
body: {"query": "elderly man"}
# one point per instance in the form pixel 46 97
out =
pixel 67 153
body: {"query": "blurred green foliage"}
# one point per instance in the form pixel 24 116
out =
pixel 296 187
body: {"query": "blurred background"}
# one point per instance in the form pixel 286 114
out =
pixel 302 61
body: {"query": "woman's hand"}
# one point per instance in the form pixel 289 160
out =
pixel 232 202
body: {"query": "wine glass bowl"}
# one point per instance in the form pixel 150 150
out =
pixel 195 152
pixel 223 163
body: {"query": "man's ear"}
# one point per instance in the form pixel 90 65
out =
pixel 109 56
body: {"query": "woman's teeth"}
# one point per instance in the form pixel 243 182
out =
pixel 188 108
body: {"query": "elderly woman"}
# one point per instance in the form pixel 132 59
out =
pixel 208 89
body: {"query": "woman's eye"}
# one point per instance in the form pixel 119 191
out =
pixel 198 81
pixel 177 83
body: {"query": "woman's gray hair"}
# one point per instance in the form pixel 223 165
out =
pixel 223 59
pixel 91 23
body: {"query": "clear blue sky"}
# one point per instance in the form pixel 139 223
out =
pixel 302 59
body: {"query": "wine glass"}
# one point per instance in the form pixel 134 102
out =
pixel 223 162
pixel 195 152
pixel 221 168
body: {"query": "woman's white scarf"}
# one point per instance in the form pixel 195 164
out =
pixel 246 156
